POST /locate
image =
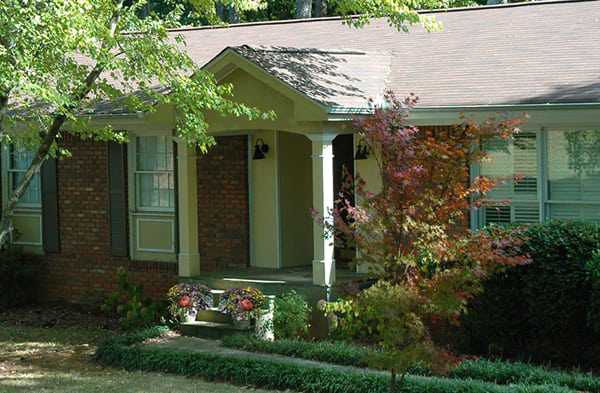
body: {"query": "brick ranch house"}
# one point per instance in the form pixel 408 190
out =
pixel 166 211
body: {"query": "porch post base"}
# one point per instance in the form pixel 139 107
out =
pixel 323 272
pixel 189 265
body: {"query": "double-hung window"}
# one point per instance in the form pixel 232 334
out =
pixel 548 175
pixel 152 201
pixel 27 219
pixel 154 175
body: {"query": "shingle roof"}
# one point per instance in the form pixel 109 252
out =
pixel 533 53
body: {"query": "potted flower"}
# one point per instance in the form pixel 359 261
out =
pixel 243 304
pixel 185 300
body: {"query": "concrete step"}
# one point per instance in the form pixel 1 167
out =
pixel 212 330
pixel 213 315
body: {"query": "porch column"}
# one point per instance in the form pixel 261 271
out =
pixel 323 264
pixel 187 205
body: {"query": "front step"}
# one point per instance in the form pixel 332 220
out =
pixel 214 324
pixel 212 330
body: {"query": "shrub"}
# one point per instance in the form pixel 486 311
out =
pixel 291 315
pixel 548 310
pixel 134 309
pixel 15 278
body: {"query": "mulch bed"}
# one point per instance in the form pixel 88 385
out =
pixel 61 315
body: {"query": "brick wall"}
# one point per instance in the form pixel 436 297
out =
pixel 84 265
pixel 223 210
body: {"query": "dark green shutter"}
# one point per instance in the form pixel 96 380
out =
pixel 50 231
pixel 117 200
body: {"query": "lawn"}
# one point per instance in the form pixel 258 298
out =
pixel 34 359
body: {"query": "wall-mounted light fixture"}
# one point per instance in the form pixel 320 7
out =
pixel 260 149
pixel 362 151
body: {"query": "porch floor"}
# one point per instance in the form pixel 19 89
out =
pixel 295 276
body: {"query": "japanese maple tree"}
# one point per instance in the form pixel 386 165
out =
pixel 406 232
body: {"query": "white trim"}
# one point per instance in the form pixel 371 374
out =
pixel 278 251
pixel 542 172
pixel 160 250
pixel 250 203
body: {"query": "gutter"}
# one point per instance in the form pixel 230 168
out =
pixel 342 113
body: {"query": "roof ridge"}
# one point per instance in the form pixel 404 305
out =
pixel 338 18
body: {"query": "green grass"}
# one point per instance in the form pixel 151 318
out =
pixel 58 361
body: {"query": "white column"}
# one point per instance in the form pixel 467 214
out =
pixel 322 189
pixel 187 202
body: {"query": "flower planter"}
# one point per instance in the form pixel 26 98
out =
pixel 241 322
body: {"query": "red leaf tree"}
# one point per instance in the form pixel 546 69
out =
pixel 404 232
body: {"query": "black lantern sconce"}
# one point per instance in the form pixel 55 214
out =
pixel 260 149
pixel 362 151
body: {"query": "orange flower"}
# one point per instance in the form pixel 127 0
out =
pixel 247 305
pixel 184 301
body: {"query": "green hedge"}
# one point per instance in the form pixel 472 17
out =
pixel 123 352
pixel 548 310
pixel 495 371
pixel 323 351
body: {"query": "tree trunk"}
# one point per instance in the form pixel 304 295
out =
pixel 393 382
pixel 50 136
pixel 220 10
pixel 303 9
pixel 320 8
pixel 234 16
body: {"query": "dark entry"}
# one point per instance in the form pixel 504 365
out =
pixel 343 152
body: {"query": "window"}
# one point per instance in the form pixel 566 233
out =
pixel 568 166
pixel 574 175
pixel 152 205
pixel 18 161
pixel 509 159
pixel 27 218
pixel 154 177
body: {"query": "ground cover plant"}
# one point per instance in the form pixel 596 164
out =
pixel 124 352
pixel 347 354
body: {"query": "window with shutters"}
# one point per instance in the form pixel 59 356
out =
pixel 152 205
pixel 27 219
pixel 560 178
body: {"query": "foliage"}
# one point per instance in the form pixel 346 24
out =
pixel 341 353
pixel 497 371
pixel 546 310
pixel 16 278
pixel 282 375
pixel 187 299
pixel 400 13
pixel 128 301
pixel 404 232
pixel 60 59
pixel 241 303
pixel 291 315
